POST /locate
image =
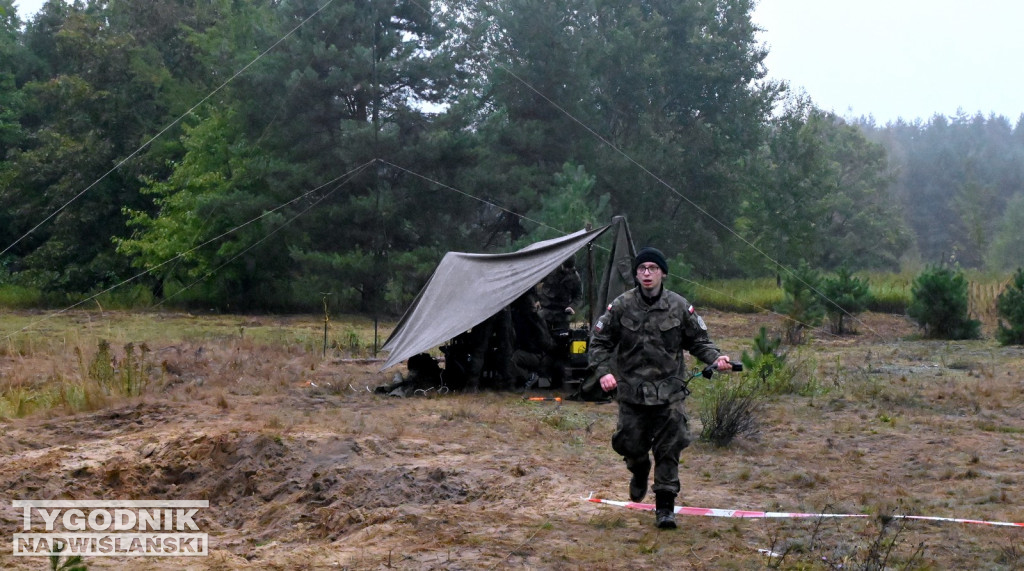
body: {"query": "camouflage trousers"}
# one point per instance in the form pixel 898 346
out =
pixel 658 430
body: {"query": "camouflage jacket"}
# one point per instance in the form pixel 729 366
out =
pixel 560 289
pixel 642 345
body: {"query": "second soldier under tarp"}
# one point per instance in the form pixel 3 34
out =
pixel 560 293
pixel 532 356
pixel 512 349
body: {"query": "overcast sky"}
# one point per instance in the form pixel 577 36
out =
pixel 888 58
pixel 28 7
pixel 899 58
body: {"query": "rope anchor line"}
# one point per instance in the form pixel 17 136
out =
pixel 716 512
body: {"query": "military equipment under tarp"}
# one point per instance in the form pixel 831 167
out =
pixel 465 289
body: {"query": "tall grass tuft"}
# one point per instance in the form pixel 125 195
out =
pixel 70 563
pixel 20 297
pixel 73 395
pixel 890 293
pixel 101 368
pixel 17 401
pixel 127 378
pixel 352 342
pixel 738 295
pixel 728 410
pixel 134 371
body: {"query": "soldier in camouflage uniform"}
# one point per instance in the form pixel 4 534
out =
pixel 558 293
pixel 637 347
pixel 532 342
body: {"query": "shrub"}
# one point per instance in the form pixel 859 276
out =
pixel 729 410
pixel 774 373
pixel 766 358
pixel 939 304
pixel 802 302
pixel 1010 306
pixel 845 296
pixel 19 297
pixel 101 368
pixel 128 377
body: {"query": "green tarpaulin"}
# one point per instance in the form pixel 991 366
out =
pixel 466 289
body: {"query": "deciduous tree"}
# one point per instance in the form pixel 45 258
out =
pixel 819 193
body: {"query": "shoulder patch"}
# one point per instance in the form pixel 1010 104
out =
pixel 700 321
pixel 691 310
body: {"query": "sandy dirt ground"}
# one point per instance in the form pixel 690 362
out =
pixel 306 468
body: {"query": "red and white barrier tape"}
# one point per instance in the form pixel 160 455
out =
pixel 714 512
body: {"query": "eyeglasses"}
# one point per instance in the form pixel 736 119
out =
pixel 648 269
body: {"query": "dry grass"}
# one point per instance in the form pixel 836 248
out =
pixel 306 468
pixel 85 361
pixel 982 298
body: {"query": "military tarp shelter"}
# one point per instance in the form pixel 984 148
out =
pixel 618 273
pixel 465 289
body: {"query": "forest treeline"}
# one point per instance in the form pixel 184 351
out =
pixel 255 154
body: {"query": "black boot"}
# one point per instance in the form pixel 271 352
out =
pixel 531 382
pixel 638 483
pixel 637 487
pixel 665 510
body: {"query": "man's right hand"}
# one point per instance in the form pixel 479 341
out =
pixel 608 383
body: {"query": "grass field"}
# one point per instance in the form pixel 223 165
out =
pixel 890 293
pixel 305 467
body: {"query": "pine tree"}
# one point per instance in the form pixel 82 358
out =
pixel 802 302
pixel 939 305
pixel 845 295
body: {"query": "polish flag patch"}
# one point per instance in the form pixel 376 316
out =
pixel 691 310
